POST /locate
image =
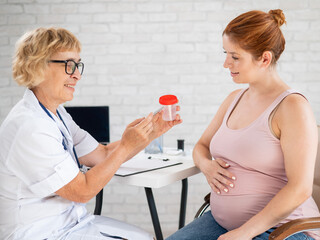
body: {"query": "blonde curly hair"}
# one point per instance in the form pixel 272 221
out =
pixel 35 48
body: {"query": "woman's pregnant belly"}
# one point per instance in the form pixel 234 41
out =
pixel 251 193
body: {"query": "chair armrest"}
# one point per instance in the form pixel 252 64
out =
pixel 204 206
pixel 295 226
pixel 207 198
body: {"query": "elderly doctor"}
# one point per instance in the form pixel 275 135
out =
pixel 43 191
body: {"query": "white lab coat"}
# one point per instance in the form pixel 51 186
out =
pixel 33 166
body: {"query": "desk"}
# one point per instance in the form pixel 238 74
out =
pixel 160 178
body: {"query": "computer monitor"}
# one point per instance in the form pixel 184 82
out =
pixel 93 119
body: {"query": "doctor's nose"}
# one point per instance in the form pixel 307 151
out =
pixel 76 74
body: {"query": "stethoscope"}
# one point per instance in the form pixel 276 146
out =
pixel 64 139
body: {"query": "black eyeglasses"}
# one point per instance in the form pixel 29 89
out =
pixel 70 66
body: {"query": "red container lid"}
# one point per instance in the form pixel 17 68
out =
pixel 168 100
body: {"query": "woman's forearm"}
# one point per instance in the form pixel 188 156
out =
pixel 111 146
pixel 85 186
pixel 99 154
pixel 281 206
pixel 98 176
pixel 201 155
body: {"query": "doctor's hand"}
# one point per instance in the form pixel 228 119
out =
pixel 136 135
pixel 160 126
pixel 218 177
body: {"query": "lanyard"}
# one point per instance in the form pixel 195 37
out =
pixel 64 139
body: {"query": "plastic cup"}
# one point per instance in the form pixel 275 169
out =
pixel 169 103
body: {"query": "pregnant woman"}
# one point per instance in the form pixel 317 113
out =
pixel 263 142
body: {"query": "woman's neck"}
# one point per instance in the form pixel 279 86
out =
pixel 268 83
pixel 45 100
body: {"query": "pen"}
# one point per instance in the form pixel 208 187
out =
pixel 163 159
pixel 154 113
pixel 113 236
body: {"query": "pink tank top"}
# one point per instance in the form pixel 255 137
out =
pixel 256 159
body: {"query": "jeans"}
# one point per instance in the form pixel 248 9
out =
pixel 206 227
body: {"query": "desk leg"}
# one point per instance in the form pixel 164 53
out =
pixel 154 214
pixel 183 203
pixel 99 202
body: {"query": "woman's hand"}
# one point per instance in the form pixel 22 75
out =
pixel 136 135
pixel 160 126
pixel 218 177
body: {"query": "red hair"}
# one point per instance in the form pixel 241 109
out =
pixel 257 32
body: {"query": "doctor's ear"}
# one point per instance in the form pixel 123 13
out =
pixel 266 59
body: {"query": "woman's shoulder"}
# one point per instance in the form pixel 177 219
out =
pixel 226 104
pixel 295 103
pixel 293 108
pixel 231 97
pixel 234 93
pixel 28 120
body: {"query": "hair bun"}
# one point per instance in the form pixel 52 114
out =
pixel 278 16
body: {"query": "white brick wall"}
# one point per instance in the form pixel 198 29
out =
pixel 135 51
